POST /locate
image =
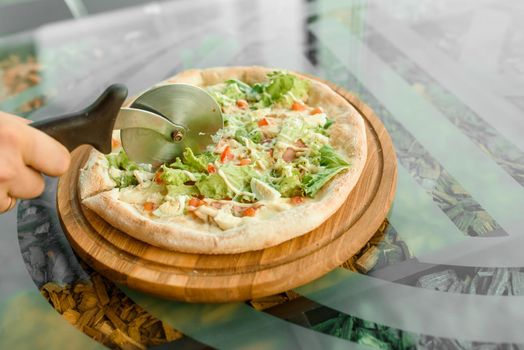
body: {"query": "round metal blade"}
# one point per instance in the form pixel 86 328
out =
pixel 185 105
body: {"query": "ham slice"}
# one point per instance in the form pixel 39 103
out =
pixel 289 155
pixel 300 144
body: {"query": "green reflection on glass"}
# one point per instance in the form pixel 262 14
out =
pixel 29 322
pixel 462 159
pixel 236 326
pixel 419 222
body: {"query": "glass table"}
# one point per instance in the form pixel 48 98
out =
pixel 444 271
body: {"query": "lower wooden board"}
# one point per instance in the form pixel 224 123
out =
pixel 234 277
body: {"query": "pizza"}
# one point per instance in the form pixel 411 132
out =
pixel 289 154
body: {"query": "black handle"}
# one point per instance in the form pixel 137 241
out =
pixel 92 126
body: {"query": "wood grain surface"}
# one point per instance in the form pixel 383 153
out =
pixel 234 277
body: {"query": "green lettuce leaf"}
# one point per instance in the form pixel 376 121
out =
pixel 122 162
pixel 213 186
pixel 194 163
pixel 255 135
pixel 126 179
pixel 286 87
pixel 330 158
pixel 328 123
pixel 174 176
pixel 240 135
pixel 279 84
pixel 312 183
pixel 126 166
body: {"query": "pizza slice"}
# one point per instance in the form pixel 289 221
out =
pixel 289 154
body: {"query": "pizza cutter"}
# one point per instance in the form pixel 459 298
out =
pixel 155 129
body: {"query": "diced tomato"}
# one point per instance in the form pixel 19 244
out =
pixel 242 104
pixel 226 154
pixel 149 206
pixel 115 143
pixel 249 212
pixel 244 161
pixel 297 199
pixel 211 168
pixel 158 177
pixel 263 122
pixel 297 106
pixel 195 202
pixel 316 110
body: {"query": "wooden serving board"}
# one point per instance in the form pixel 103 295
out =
pixel 233 277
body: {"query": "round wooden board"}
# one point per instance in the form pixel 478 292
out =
pixel 233 277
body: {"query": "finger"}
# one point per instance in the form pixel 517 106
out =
pixel 8 165
pixel 28 184
pixel 15 117
pixel 45 154
pixel 7 203
pixel 38 150
pixel 12 204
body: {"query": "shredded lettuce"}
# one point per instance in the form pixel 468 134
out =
pixel 282 87
pixel 249 93
pixel 179 190
pixel 290 186
pixel 125 177
pixel 292 130
pixel 239 176
pixel 309 170
pixel 254 135
pixel 222 99
pixel 233 91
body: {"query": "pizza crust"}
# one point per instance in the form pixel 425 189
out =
pixel 94 177
pixel 347 134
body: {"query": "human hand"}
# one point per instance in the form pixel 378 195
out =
pixel 26 153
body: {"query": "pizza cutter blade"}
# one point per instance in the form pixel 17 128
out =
pixel 196 116
pixel 157 127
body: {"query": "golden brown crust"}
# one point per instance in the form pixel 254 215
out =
pixel 347 134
